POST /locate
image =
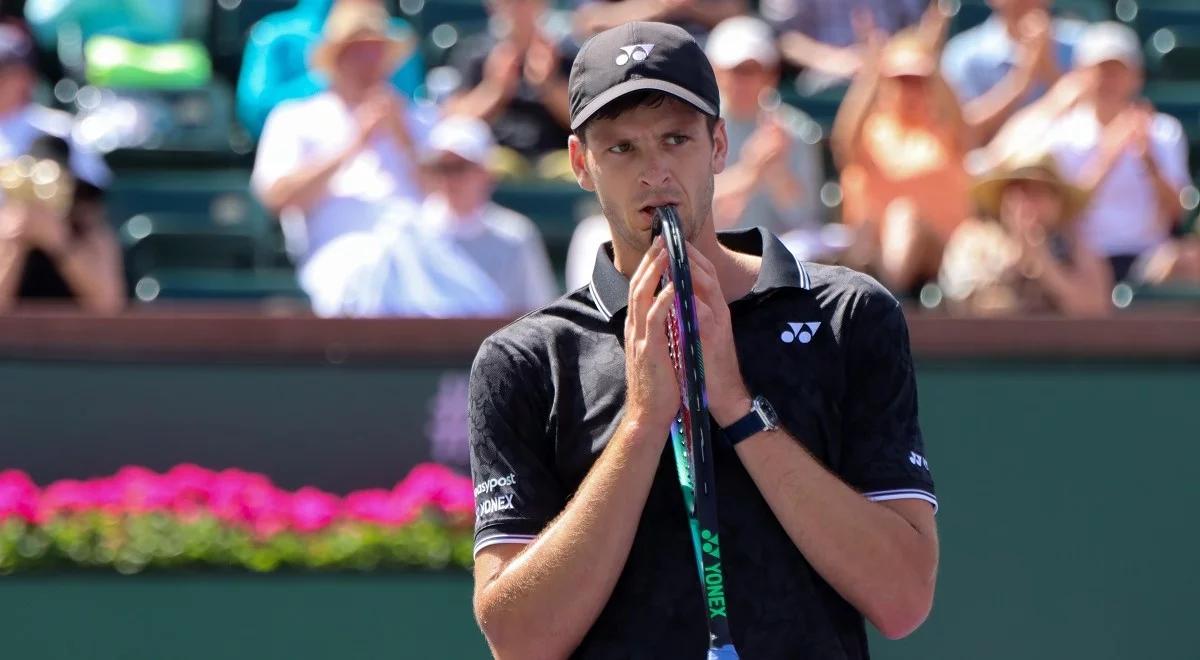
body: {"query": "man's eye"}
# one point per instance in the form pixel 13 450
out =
pixel 620 148
pixel 677 139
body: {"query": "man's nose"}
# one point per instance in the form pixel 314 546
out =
pixel 655 171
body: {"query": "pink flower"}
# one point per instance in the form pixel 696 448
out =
pixel 378 506
pixel 437 485
pixel 18 496
pixel 237 496
pixel 142 490
pixel 64 496
pixel 193 486
pixel 457 495
pixel 313 510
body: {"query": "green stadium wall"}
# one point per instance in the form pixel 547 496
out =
pixel 1068 490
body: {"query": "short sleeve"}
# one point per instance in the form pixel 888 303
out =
pixel 279 150
pixel 956 67
pixel 884 453
pixel 1170 148
pixel 517 492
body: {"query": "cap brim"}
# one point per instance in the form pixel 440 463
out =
pixel 639 84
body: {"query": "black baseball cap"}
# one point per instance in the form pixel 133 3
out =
pixel 640 56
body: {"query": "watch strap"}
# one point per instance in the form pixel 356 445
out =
pixel 745 427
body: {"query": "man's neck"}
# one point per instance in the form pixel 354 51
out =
pixel 1106 111
pixel 351 95
pixel 1012 24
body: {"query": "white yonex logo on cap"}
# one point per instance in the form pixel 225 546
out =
pixel 918 460
pixel 802 332
pixel 636 52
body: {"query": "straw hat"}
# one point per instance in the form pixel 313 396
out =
pixel 1028 166
pixel 350 22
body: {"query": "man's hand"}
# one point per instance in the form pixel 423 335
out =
pixel 503 69
pixel 541 62
pixel 651 388
pixel 35 227
pixel 1037 55
pixel 370 117
pixel 728 398
pixel 395 111
pixel 767 148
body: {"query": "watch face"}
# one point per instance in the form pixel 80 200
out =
pixel 766 412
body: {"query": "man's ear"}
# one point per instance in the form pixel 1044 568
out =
pixel 720 140
pixel 578 154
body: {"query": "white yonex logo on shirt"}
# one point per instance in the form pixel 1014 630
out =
pixel 918 460
pixel 802 332
pixel 636 52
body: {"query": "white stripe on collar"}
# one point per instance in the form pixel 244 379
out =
pixel 599 303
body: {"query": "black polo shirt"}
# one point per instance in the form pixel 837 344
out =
pixel 826 345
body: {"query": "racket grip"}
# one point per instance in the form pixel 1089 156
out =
pixel 726 652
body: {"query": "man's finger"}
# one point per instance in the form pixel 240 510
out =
pixel 656 318
pixel 641 291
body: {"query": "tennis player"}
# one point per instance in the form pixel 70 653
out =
pixel 826 502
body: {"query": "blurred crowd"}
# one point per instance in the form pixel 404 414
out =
pixel 1015 166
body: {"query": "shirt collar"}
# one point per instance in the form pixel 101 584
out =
pixel 780 268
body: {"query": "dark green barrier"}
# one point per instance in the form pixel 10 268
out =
pixel 239 617
pixel 1067 485
pixel 1068 496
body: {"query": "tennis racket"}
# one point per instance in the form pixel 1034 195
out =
pixel 690 437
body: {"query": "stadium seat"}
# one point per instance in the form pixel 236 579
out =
pixel 219 284
pixel 221 196
pixel 1180 99
pixel 165 127
pixel 428 14
pixel 229 25
pixel 437 43
pixel 1173 53
pixel 1149 16
pixel 554 207
pixel 183 240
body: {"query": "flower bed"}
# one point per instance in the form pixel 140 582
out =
pixel 193 517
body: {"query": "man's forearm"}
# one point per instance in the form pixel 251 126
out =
pixel 554 97
pixel 485 101
pixel 93 271
pixel 303 188
pixel 986 114
pixel 873 557
pixel 546 599
pixel 12 267
pixel 1169 204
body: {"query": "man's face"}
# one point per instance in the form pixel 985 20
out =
pixel 1117 82
pixel 1028 205
pixel 16 87
pixel 362 62
pixel 743 85
pixel 648 157
pixel 464 184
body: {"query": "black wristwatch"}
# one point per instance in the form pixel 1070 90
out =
pixel 761 417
